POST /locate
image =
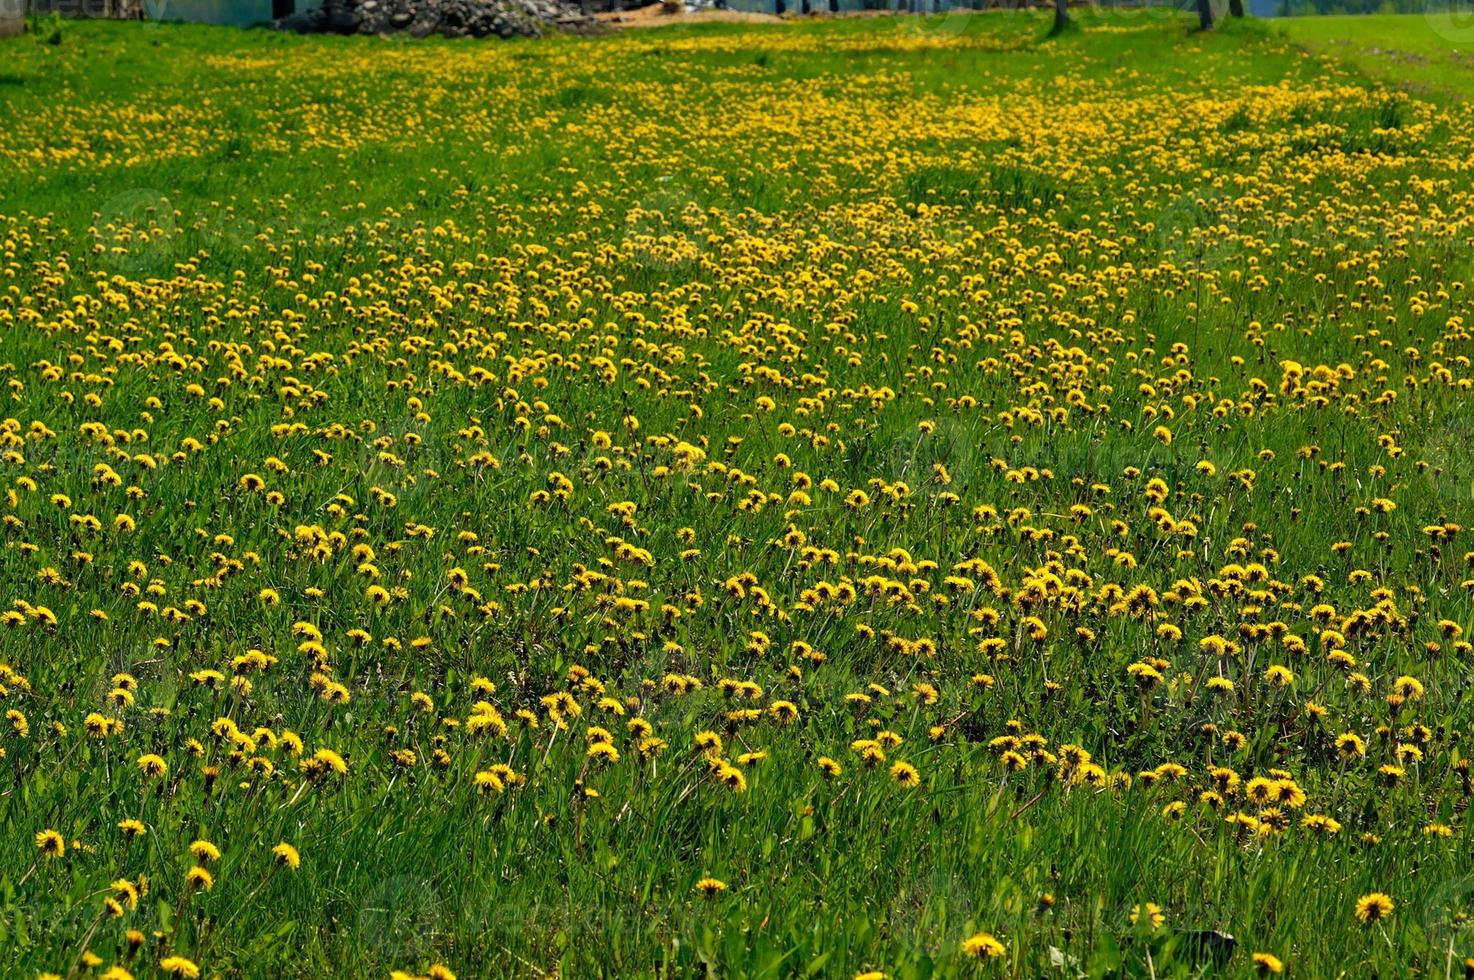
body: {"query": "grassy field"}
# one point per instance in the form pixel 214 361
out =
pixel 1430 54
pixel 886 496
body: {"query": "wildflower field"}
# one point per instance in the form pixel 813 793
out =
pixel 884 496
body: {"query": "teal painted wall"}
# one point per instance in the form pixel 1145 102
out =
pixel 239 13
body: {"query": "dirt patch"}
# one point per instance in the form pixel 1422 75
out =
pixel 659 15
pixel 1396 54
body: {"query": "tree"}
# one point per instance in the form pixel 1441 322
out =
pixel 1061 17
pixel 1205 15
pixel 1235 8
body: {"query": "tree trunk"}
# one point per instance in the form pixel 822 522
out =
pixel 1235 8
pixel 1061 16
pixel 1205 15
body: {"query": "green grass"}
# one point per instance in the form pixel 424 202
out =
pixel 1430 53
pixel 713 282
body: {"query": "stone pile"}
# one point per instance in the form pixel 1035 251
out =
pixel 451 18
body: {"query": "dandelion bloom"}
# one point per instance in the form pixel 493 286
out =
pixel 180 967
pixel 905 774
pixel 1374 907
pixel 603 752
pixel 203 850
pixel 732 777
pixel 287 855
pixel 1153 913
pixel 50 843
pixel 983 946
pixel 322 762
pixel 710 887
pixel 489 782
pixel 1267 963
pixel 152 765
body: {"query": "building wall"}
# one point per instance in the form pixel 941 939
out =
pixel 238 13
pixel 84 8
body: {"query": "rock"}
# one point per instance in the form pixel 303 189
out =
pixel 308 22
pixel 1209 945
pixel 341 16
pixel 450 18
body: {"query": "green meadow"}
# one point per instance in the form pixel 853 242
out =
pixel 895 496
